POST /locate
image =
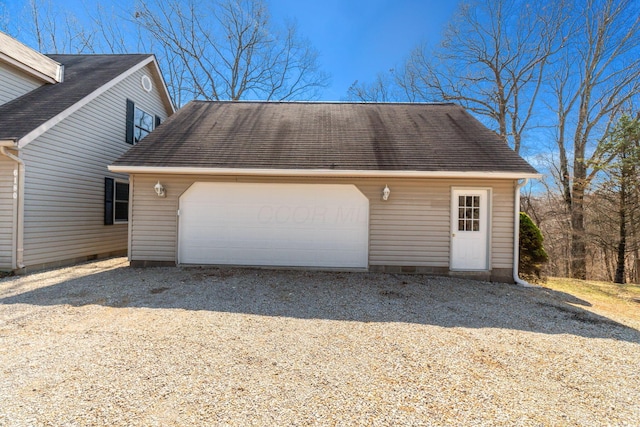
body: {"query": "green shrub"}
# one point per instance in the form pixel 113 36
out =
pixel 532 253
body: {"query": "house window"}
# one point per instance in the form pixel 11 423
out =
pixel 121 202
pixel 116 201
pixel 139 123
pixel 469 213
pixel 143 124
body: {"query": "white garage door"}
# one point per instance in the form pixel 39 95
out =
pixel 304 225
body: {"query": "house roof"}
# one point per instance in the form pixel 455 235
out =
pixel 328 137
pixel 83 75
pixel 29 60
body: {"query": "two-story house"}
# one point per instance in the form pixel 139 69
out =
pixel 63 119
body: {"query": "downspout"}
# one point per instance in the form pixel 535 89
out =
pixel 516 238
pixel 19 260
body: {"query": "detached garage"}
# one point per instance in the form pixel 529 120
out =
pixel 419 188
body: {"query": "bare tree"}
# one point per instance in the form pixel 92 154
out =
pixel 50 28
pixel 594 78
pixel 226 49
pixel 111 32
pixel 56 30
pixel 230 50
pixel 550 214
pixel 602 208
pixel 492 60
pixel 383 89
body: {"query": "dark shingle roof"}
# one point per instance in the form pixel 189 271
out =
pixel 339 136
pixel 83 74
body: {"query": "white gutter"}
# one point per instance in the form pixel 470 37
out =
pixel 516 238
pixel 19 193
pixel 319 172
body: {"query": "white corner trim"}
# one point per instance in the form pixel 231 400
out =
pixel 84 101
pixel 319 172
pixel 60 73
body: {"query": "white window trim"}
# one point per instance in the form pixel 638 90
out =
pixel 146 83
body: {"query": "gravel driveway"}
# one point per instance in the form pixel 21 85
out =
pixel 104 344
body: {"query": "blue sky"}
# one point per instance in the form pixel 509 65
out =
pixel 356 39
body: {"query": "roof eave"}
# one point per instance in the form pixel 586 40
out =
pixel 321 172
pixel 52 77
pixel 8 143
pixel 29 60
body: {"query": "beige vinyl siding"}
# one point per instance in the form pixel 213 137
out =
pixel 65 171
pixel 502 224
pixel 15 83
pixel 412 228
pixel 7 213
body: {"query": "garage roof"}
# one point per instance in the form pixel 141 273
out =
pixel 323 136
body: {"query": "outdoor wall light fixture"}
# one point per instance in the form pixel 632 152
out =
pixel 159 189
pixel 386 192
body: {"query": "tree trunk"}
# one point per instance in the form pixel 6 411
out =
pixel 578 244
pixel 622 245
pixel 578 240
pixel 622 249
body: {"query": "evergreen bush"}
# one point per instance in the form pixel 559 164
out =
pixel 532 253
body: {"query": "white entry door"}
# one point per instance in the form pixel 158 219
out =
pixel 470 229
pixel 304 225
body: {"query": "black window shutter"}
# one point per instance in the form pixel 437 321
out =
pixel 130 113
pixel 108 201
pixel 158 121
